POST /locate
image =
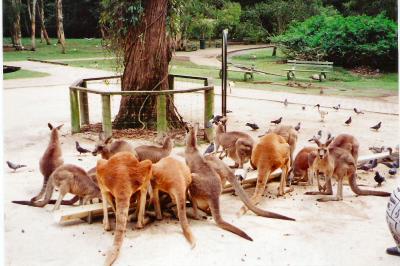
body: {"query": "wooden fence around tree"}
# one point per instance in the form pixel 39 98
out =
pixel 80 105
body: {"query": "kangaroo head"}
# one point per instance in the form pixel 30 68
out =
pixel 102 145
pixel 322 150
pixel 190 138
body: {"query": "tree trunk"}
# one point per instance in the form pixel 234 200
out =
pixel 146 57
pixel 16 26
pixel 43 30
pixel 60 26
pixel 32 14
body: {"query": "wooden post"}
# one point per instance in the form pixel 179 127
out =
pixel 208 113
pixel 106 107
pixel 171 80
pixel 75 122
pixel 84 105
pixel 274 51
pixel 161 114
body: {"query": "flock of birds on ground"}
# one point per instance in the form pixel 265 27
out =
pixel 126 175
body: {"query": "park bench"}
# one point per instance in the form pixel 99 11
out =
pixel 247 72
pixel 319 67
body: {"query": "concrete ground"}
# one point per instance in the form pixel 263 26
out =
pixel 351 232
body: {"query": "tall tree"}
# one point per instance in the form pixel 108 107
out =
pixel 137 30
pixel 60 25
pixel 16 24
pixel 32 16
pixel 43 31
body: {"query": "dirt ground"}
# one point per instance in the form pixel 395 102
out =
pixel 351 232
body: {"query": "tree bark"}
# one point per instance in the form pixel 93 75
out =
pixel 33 24
pixel 147 54
pixel 43 31
pixel 16 26
pixel 60 26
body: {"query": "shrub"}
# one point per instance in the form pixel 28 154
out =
pixel 347 41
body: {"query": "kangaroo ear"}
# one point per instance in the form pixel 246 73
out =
pixel 317 142
pixel 223 120
pixel 108 140
pixel 329 141
pixel 50 126
pixel 59 127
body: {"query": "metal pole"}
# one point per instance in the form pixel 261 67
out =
pixel 224 70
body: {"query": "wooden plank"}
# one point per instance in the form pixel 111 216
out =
pixel 310 62
pixel 106 115
pixel 84 106
pixel 308 70
pixel 75 117
pixel 78 212
pixel 162 123
pixel 208 113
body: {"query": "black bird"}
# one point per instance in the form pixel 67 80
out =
pixel 210 148
pixel 80 149
pixel 303 108
pixel 392 171
pixel 285 103
pixel 297 128
pixel 277 121
pixel 336 107
pixel 348 121
pixel 391 164
pixel 377 126
pixel 369 166
pixel 14 166
pixel 253 126
pixel 378 178
pixel 358 111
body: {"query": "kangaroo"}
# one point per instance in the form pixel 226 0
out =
pixel 154 153
pixel 339 163
pixel 121 176
pixel 289 134
pixel 205 188
pixel 69 179
pixel 107 147
pixel 270 153
pixel 238 145
pixel 299 172
pixel 226 173
pixel 173 177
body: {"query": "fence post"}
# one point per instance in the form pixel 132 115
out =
pixel 84 105
pixel 208 113
pixel 161 113
pixel 171 80
pixel 75 123
pixel 106 111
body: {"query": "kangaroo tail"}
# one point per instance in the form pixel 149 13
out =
pixel 243 196
pixel 358 191
pixel 47 195
pixel 181 207
pixel 63 202
pixel 43 189
pixel 214 206
pixel 122 217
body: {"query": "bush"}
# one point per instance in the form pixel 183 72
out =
pixel 347 41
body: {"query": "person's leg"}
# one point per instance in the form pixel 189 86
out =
pixel 393 220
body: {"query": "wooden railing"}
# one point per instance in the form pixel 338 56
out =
pixel 78 92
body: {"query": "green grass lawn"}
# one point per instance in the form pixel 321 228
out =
pixel 23 74
pixel 75 48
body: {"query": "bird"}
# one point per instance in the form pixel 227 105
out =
pixel 377 126
pixel 317 105
pixel 303 108
pixel 336 107
pixel 391 164
pixel 285 102
pixel 210 148
pixel 14 166
pixel 378 178
pixel 392 171
pixel 316 137
pixel 297 127
pixel 253 126
pixel 80 149
pixel 376 149
pixel 277 121
pixel 216 118
pixel 348 121
pixel 359 112
pixel 369 166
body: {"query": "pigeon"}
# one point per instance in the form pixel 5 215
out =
pixel 253 126
pixel 358 111
pixel 317 105
pixel 368 166
pixel 303 108
pixel 376 149
pixel 377 126
pixel 391 164
pixel 392 171
pixel 14 166
pixel 348 121
pixel 215 119
pixel 378 178
pixel 80 149
pixel 297 127
pixel 277 121
pixel 336 107
pixel 210 148
pixel 285 103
